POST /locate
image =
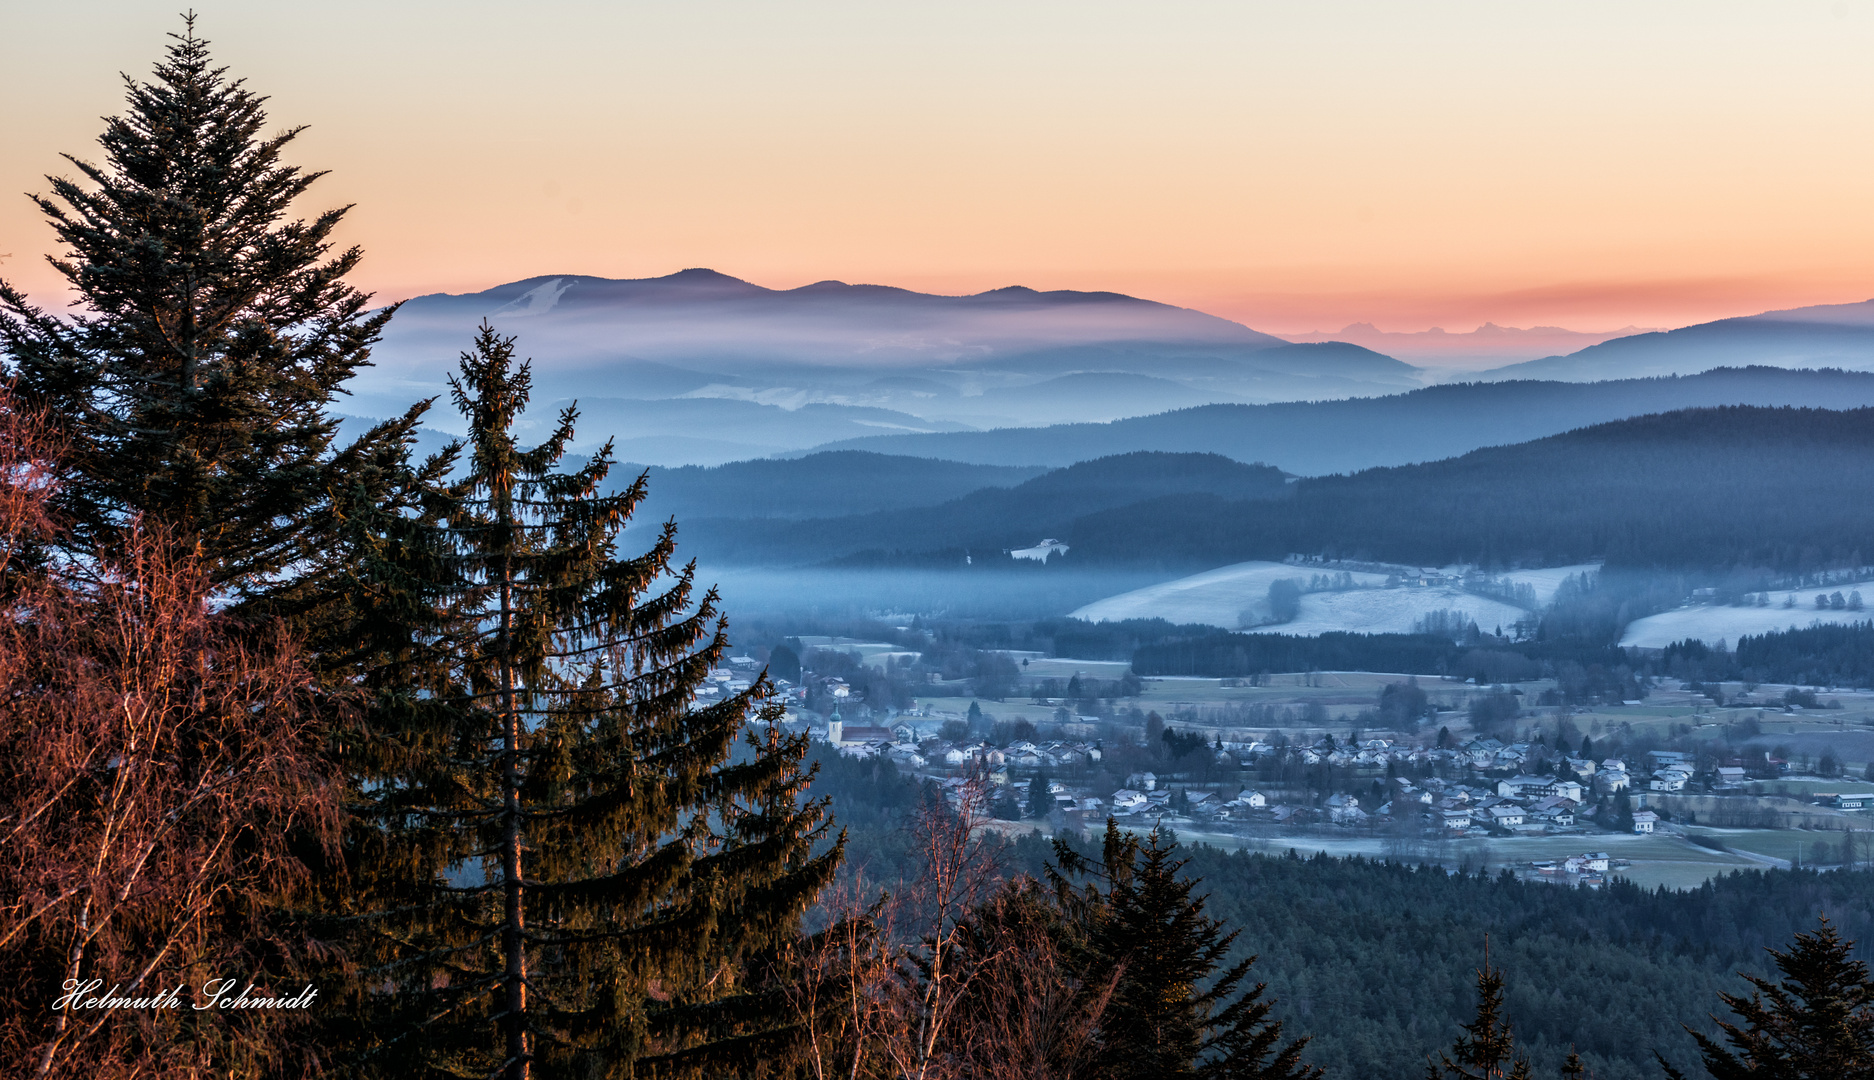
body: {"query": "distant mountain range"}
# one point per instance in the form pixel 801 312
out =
pixel 1319 437
pixel 1827 335
pixel 699 368
pixel 1487 346
pixel 1010 356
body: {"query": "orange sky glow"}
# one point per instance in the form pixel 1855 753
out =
pixel 1294 166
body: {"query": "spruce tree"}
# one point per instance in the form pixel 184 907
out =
pixel 1817 1023
pixel 1487 1049
pixel 576 870
pixel 1040 801
pixel 211 333
pixel 1172 1012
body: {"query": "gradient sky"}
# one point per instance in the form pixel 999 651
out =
pixel 1296 165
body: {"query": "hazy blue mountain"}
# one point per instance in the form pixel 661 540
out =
pixel 711 431
pixel 1319 437
pixel 1487 346
pixel 1084 395
pixel 702 334
pixel 833 484
pixel 1828 335
pixel 1738 490
pixel 984 522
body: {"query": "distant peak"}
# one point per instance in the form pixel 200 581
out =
pixel 702 274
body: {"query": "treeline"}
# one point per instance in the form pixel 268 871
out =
pixel 1584 672
pixel 1823 655
pixel 1697 488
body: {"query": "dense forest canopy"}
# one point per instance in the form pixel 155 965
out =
pixel 1375 959
pixel 1718 487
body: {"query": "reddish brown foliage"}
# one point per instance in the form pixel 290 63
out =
pixel 158 761
pixel 959 976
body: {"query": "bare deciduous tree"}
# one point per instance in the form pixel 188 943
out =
pixel 961 973
pixel 160 762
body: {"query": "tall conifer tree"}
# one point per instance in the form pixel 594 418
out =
pixel 1817 1022
pixel 212 330
pixel 1487 1049
pixel 577 869
pixel 1172 1013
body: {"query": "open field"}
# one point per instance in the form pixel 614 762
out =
pixel 1712 623
pixel 1218 597
pixel 1056 668
pixel 1237 597
pixel 1656 860
pixel 1786 846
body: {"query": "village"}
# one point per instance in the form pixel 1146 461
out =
pixel 1441 788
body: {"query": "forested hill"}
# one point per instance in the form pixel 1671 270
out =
pixel 1737 486
pixel 1320 437
pixel 987 521
pixel 819 485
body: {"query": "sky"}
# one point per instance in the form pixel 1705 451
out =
pixel 1295 166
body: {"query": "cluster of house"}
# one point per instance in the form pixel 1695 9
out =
pixel 1520 803
pixel 729 681
pixel 899 742
pixel 1523 802
pixel 1589 868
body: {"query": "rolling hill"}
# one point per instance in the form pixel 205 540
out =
pixel 981 524
pixel 1827 335
pixel 1319 437
pixel 833 484
pixel 1729 488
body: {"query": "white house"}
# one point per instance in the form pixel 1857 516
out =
pixel 1644 820
pixel 1125 800
pixel 1593 862
pixel 1505 816
pixel 1669 780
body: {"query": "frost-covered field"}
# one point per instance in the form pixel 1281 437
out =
pixel 1711 624
pixel 1548 579
pixel 1215 597
pixel 1221 597
pixel 1391 611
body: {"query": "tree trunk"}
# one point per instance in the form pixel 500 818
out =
pixel 518 1064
